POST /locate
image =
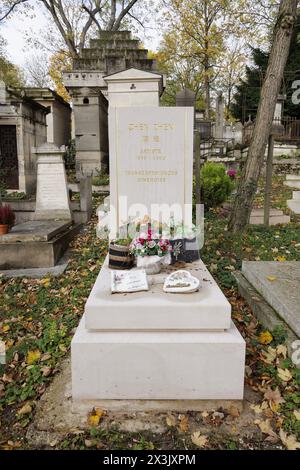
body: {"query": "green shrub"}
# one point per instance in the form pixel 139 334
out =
pixel 216 185
pixel 101 178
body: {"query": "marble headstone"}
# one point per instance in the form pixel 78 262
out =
pixel 52 195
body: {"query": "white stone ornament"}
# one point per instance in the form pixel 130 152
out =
pixel 181 282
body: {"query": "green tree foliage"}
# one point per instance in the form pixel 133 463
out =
pixel 10 74
pixel 247 96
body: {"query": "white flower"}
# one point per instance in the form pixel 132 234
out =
pixel 152 244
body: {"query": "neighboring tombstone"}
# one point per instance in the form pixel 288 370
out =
pixel 186 97
pixel 2 92
pixel 219 129
pixel 86 194
pixel 52 195
pixel 151 151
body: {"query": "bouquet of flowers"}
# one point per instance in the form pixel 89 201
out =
pixel 150 244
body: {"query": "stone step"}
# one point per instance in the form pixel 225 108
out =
pixel 106 53
pixel 260 212
pixel 114 34
pixel 293 177
pixel 114 43
pixel 274 220
pixel 292 184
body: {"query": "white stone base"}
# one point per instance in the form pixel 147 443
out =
pixel 157 365
pixel 207 309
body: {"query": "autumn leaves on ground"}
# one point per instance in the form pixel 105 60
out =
pixel 37 322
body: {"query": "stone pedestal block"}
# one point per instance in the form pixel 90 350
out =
pixel 157 365
pixel 207 309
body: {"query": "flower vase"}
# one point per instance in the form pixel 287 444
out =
pixel 151 264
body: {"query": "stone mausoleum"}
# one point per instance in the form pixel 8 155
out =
pixel 29 117
pixel 22 126
pixel 110 53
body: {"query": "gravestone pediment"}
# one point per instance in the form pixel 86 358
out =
pixel 132 74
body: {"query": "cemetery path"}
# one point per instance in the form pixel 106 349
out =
pixel 37 322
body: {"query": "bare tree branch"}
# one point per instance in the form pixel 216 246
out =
pixel 136 19
pixel 122 14
pixel 11 9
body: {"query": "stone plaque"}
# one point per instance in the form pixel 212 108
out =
pixel 151 161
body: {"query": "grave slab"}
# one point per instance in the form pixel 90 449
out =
pixel 157 365
pixel 207 309
pixel 35 231
pixel 279 284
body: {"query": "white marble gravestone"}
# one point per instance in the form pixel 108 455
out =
pixel 151 163
pixel 52 195
pixel 152 345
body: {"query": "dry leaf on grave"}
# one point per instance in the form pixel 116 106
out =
pixel 171 421
pixel 234 412
pixel 33 356
pixel 265 337
pixel 274 396
pixel 25 410
pixel 284 375
pixel 290 442
pixel 183 423
pixel 282 349
pixel 266 428
pixel 271 278
pixel 270 355
pixel 297 415
pixel 198 440
pixel 258 409
pixel 95 416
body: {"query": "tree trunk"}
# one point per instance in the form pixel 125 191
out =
pixel 270 89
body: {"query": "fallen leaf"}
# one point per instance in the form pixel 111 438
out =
pixel 95 416
pixel 5 328
pixel 297 415
pixel 46 371
pixel 234 411
pixel 33 356
pixel 274 396
pixel 88 443
pixel 183 423
pixel 266 428
pixel 289 441
pixel 265 337
pixel 171 421
pixel 270 355
pixel 282 350
pixel 258 409
pixel 271 278
pixel 198 440
pixel 25 410
pixel 284 374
